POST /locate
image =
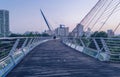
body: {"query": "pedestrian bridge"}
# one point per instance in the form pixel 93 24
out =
pixel 53 58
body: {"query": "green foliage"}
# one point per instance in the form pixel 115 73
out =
pixel 16 35
pixel 85 41
pixel 29 35
pixel 45 35
pixel 99 34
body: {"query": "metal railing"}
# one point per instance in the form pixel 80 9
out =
pixel 13 50
pixel 105 49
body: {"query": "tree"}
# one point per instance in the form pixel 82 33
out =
pixel 99 34
pixel 16 35
pixel 45 34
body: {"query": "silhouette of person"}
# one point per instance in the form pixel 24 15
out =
pixel 54 37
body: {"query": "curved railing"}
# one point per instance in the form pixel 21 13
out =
pixel 104 49
pixel 13 50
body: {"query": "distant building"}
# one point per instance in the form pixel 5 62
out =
pixel 88 32
pixel 62 31
pixel 31 32
pixel 4 23
pixel 27 32
pixel 49 32
pixel 78 31
pixel 110 33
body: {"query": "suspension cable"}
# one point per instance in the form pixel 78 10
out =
pixel 116 28
pixel 102 14
pixel 109 16
pixel 95 15
pixel 83 20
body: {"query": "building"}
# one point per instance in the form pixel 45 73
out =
pixel 78 31
pixel 88 32
pixel 31 32
pixel 110 33
pixel 62 31
pixel 49 32
pixel 4 23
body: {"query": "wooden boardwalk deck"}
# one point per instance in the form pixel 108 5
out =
pixel 54 59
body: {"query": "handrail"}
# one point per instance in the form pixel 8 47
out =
pixel 16 55
pixel 106 46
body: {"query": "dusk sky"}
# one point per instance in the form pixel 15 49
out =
pixel 25 14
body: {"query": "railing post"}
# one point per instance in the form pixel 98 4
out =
pixel 82 42
pixel 97 46
pixel 75 42
pixel 30 42
pixel 66 39
pixel 106 48
pixel 71 41
pixel 38 39
pixel 24 44
pixel 13 49
pixel 33 41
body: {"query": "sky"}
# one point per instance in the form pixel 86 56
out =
pixel 25 14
